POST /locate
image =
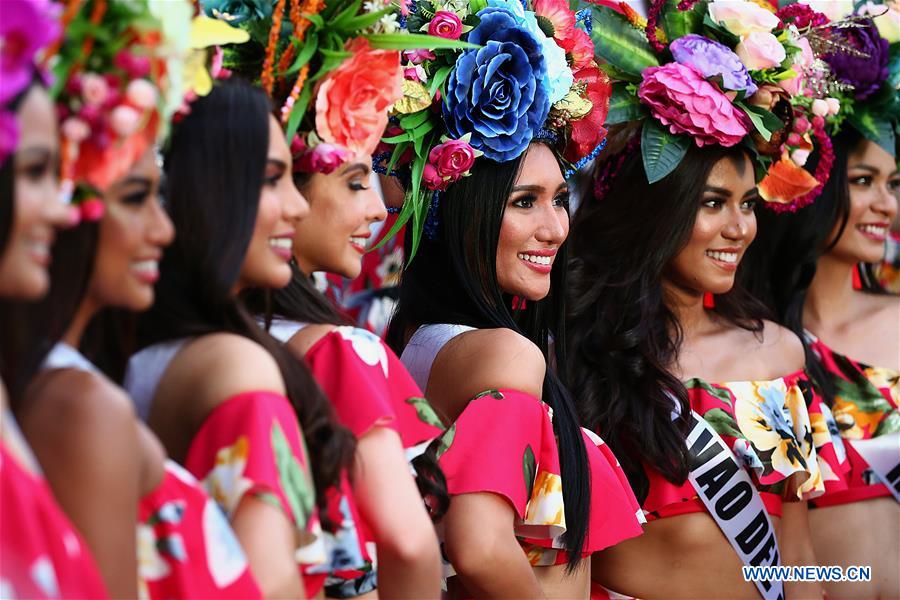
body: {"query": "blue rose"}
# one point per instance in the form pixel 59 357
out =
pixel 495 92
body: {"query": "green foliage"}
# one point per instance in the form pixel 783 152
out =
pixel 661 150
pixel 621 44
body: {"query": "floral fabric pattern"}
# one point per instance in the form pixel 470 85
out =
pixel 778 431
pixel 43 556
pixel 865 407
pixel 185 546
pixel 524 469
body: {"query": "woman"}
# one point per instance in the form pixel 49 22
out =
pixel 703 400
pixel 43 554
pixel 371 392
pixel 847 332
pixel 226 401
pixel 153 530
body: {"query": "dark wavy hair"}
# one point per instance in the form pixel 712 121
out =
pixel 453 279
pixel 215 166
pixel 783 260
pixel 624 337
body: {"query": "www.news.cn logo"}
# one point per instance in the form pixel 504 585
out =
pixel 807 573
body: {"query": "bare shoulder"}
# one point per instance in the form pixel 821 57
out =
pixel 306 338
pixel 492 358
pixel 220 365
pixel 782 346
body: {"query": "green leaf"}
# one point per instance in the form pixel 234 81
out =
pixel 365 20
pixel 294 479
pixel 718 32
pixel 880 131
pixel 661 150
pixel 619 74
pixel 306 53
pixel 405 213
pixel 866 397
pixel 297 112
pixel 399 149
pixel 315 19
pixel 722 423
pixel 425 412
pixel 476 6
pixel 345 15
pixel 495 394
pixel 412 41
pixel 446 441
pixel 624 106
pixel 410 122
pixel 396 139
pixel 421 203
pixel 620 44
pixel 529 469
pixel 765 122
pixel 678 23
pixel 438 79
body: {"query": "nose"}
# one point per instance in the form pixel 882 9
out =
pixel 375 208
pixel 885 202
pixel 58 214
pixel 161 231
pixel 294 206
pixel 554 226
pixel 739 225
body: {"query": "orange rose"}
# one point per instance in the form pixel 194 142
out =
pixel 352 102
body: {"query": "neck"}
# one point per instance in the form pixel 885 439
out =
pixel 830 295
pixel 687 306
pixel 86 311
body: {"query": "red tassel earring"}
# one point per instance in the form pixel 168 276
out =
pixel 709 301
pixel 857 280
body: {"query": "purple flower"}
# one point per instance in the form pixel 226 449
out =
pixel 865 74
pixel 713 59
pixel 26 27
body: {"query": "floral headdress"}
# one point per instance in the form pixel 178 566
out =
pixel 120 77
pixel 727 72
pixel 331 66
pixel 26 28
pixel 533 77
pixel 866 59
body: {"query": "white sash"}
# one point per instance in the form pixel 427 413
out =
pixel 733 501
pixel 883 455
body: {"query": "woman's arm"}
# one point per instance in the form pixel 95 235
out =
pixel 797 549
pixel 480 542
pixel 84 433
pixel 409 563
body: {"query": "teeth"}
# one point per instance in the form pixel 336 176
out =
pixel 359 241
pixel 874 230
pixel 282 242
pixel 538 260
pixel 728 257
pixel 146 266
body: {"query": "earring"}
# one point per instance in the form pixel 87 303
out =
pixel 857 279
pixel 709 301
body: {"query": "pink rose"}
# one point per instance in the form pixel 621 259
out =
pixel 415 73
pixel 432 180
pixel 94 89
pixel 680 97
pixel 92 210
pixel 141 93
pixel 742 17
pixel 75 130
pixel 451 160
pixel 445 24
pixel 324 158
pixel 760 50
pixel 802 63
pixel 124 120
pixel 819 108
pixel 352 102
pixel 834 106
pixel 418 56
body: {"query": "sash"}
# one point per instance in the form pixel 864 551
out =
pixel 883 455
pixel 731 498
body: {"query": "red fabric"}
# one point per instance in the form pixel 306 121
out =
pixel 41 553
pixel 864 407
pixel 503 443
pixel 772 502
pixel 752 419
pixel 186 548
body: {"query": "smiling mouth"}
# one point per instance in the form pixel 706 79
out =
pixel 358 243
pixel 39 251
pixel 146 270
pixel 725 259
pixel 282 246
pixel 875 232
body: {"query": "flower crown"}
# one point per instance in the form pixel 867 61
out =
pixel 866 59
pixel 26 28
pixel 120 77
pixel 727 72
pixel 331 66
pixel 533 77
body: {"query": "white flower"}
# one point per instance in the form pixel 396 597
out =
pixel 367 346
pixel 224 556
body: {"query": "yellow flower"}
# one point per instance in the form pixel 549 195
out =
pixel 226 483
pixel 205 33
pixel 546 504
pixel 885 379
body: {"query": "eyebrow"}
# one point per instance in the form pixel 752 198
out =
pixel 716 190
pixel 537 188
pixel 356 167
pixel 34 152
pixel 277 162
pixel 135 180
pixel 866 167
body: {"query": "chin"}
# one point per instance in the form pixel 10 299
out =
pixel 33 287
pixel 139 301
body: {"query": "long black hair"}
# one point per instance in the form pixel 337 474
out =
pixel 624 337
pixel 215 166
pixel 783 260
pixel 453 279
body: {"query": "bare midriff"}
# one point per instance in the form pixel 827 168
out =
pixel 684 556
pixel 864 533
pixel 555 583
